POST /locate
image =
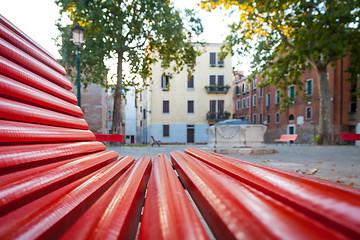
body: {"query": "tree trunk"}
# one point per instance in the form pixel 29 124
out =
pixel 116 126
pixel 325 128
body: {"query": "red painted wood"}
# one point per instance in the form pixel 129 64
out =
pixel 19 91
pixel 17 155
pixel 109 137
pixel 60 208
pixel 168 213
pixel 338 207
pixel 350 136
pixel 30 63
pixel 15 188
pixel 23 75
pixel 287 138
pixel 29 48
pixel 16 30
pixel 18 132
pixel 234 210
pixel 116 214
pixel 12 110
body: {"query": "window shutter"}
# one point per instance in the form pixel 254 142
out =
pixel 212 105
pixel 166 131
pixel 220 105
pixel 212 58
pixel 191 82
pixel 212 80
pixel 166 107
pixel 220 80
pixel 190 106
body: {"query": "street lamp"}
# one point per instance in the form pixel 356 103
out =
pixel 78 33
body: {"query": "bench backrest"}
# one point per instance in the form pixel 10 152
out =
pixel 289 137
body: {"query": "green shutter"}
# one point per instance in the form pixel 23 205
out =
pixel 309 87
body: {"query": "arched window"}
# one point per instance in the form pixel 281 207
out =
pixel 291 118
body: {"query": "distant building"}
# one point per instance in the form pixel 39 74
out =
pixel 94 103
pixel 130 116
pixel 302 117
pixel 180 109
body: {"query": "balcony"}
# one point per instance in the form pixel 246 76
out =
pixel 217 89
pixel 214 117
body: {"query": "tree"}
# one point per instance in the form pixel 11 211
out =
pixel 129 31
pixel 291 36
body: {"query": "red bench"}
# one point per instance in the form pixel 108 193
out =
pixel 154 141
pixel 350 136
pixel 109 137
pixel 56 181
pixel 287 138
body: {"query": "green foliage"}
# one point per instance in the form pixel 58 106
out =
pixel 129 29
pixel 288 37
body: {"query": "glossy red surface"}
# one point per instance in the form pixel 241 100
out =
pixel 234 210
pixel 19 91
pixel 26 46
pixel 49 216
pixel 337 206
pixel 20 57
pixel 12 110
pixel 168 213
pixel 116 214
pixel 17 132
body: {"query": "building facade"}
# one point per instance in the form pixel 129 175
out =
pixel 179 110
pixel 261 105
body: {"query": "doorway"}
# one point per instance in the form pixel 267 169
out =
pixel 190 134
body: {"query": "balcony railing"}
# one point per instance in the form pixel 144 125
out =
pixel 217 89
pixel 217 116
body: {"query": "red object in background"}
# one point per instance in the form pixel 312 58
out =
pixel 109 137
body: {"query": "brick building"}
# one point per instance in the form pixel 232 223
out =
pixel 261 105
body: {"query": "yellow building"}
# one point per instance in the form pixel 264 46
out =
pixel 179 110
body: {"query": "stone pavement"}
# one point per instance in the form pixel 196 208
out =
pixel 339 164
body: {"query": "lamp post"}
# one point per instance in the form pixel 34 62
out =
pixel 77 33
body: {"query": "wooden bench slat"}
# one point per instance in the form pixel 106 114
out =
pixel 116 214
pixel 36 182
pixel 20 33
pixel 166 202
pixel 30 49
pixel 19 132
pixel 60 208
pixel 12 110
pixel 25 76
pixel 27 94
pixel 231 207
pixel 307 196
pixel 16 55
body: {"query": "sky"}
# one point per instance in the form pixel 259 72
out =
pixel 37 19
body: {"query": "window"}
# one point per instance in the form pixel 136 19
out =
pixel 243 88
pixel 268 119
pixel 215 60
pixel 237 104
pixel 247 102
pixel 352 107
pixel 212 58
pixel 254 119
pixel 260 118
pixel 291 118
pixel 247 87
pixel 140 96
pixel 254 84
pixel 237 91
pixel 309 87
pixel 190 82
pixel 254 100
pixel 217 80
pixel 165 85
pixel 144 114
pixel 260 92
pixel 141 123
pixel 140 109
pixel 277 97
pixel 277 117
pixel 166 107
pixel 308 113
pixel 190 106
pixel 216 106
pixel 243 103
pixel 292 93
pixel 166 130
pixel 268 99
pixel 247 118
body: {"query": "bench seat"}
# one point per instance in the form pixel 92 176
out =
pixel 58 182
pixel 287 138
